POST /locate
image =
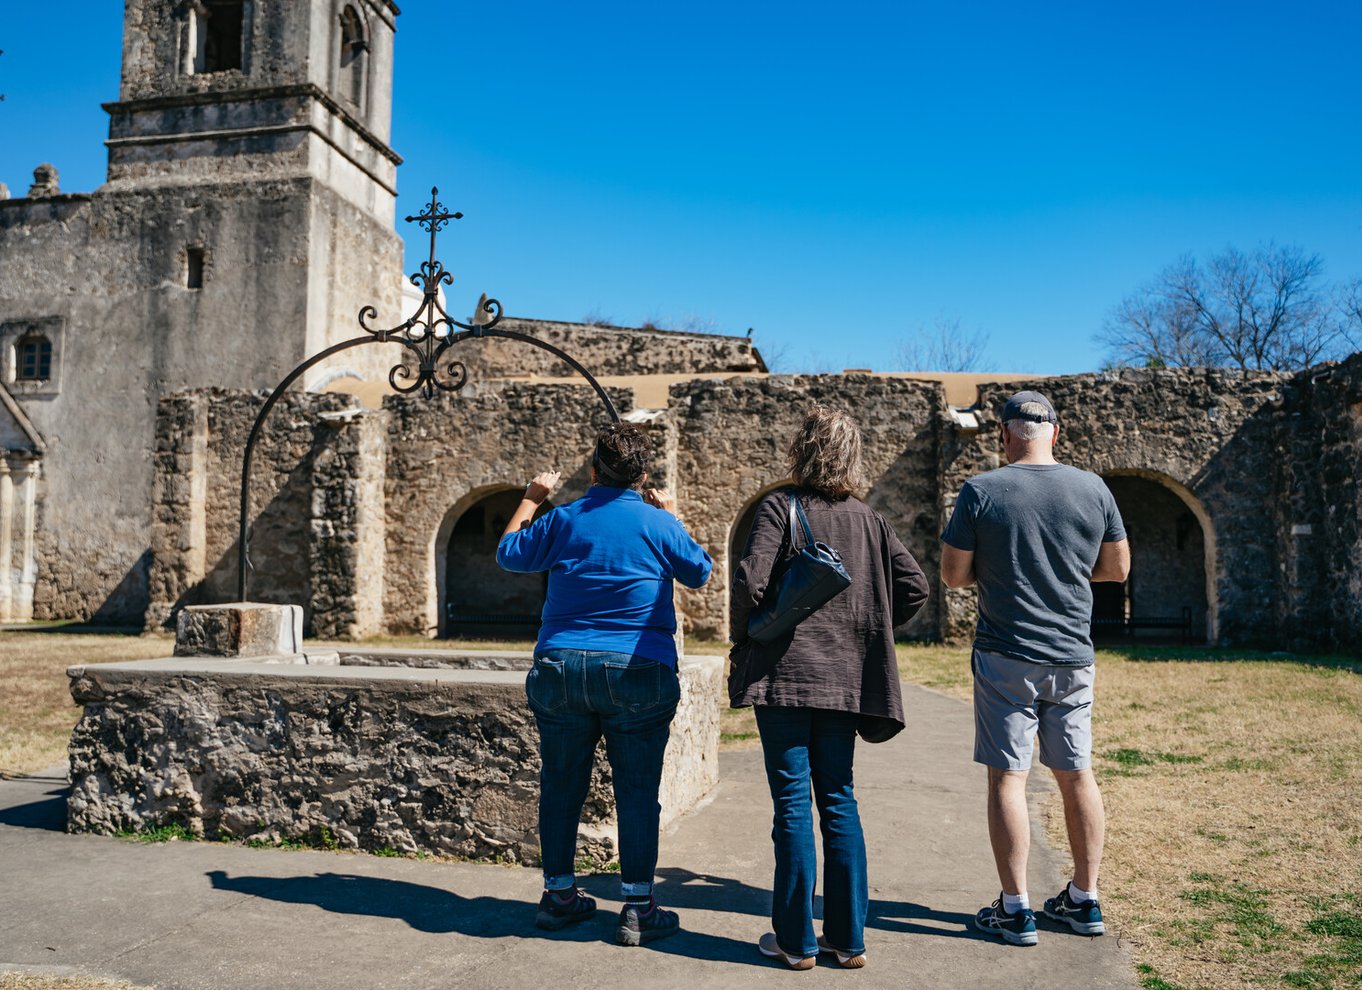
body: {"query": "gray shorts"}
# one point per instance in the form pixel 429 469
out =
pixel 1014 699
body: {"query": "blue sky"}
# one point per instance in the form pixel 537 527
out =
pixel 832 175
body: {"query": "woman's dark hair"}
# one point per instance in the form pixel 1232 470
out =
pixel 621 458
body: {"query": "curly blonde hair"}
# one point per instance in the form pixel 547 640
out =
pixel 825 454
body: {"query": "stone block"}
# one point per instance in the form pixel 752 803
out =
pixel 435 759
pixel 240 629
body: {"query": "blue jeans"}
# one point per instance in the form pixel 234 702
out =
pixel 577 696
pixel 803 746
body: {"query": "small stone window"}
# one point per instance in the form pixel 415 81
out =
pixel 33 359
pixel 353 48
pixel 193 272
pixel 213 39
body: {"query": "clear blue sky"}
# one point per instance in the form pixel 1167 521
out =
pixel 832 174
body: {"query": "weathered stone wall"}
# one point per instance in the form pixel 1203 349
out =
pixel 1318 460
pixel 446 454
pixel 731 441
pixel 606 350
pixel 1255 472
pixel 436 760
pixel 1206 434
pixel 290 542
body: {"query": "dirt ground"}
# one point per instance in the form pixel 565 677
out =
pixel 1233 785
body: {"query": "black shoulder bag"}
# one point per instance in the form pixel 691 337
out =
pixel 813 577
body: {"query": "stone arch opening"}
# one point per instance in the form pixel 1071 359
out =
pixel 1172 566
pixel 353 48
pixel 475 597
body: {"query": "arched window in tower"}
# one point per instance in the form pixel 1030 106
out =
pixel 213 32
pixel 353 48
pixel 33 358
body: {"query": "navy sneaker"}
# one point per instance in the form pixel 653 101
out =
pixel 1015 929
pixel 641 923
pixel 1085 918
pixel 557 912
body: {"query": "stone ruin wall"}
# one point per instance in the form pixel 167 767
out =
pixel 731 441
pixel 1207 431
pixel 443 758
pixel 446 454
pixel 1268 465
pixel 201 436
pixel 606 350
pixel 1319 463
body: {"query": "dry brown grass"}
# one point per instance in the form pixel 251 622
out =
pixel 36 711
pixel 1233 787
pixel 28 981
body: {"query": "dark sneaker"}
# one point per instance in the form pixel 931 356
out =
pixel 1085 918
pixel 1015 929
pixel 556 912
pixel 641 923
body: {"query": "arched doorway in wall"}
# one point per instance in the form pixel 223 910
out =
pixel 477 597
pixel 1170 594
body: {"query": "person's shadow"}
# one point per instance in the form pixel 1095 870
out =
pixel 427 909
pixel 431 909
pixel 679 888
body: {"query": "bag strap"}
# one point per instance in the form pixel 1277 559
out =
pixel 797 510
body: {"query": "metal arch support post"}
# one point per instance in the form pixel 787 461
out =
pixel 243 532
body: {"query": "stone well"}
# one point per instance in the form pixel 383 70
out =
pixel 410 750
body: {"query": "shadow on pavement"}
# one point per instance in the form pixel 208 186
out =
pixel 48 814
pixel 430 909
pixel 680 889
pixel 427 909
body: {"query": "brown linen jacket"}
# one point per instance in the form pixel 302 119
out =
pixel 842 656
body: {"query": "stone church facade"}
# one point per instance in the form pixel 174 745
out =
pixel 249 204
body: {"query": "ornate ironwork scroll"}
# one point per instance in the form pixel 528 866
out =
pixel 427 337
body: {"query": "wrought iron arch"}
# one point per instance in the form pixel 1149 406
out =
pixel 427 336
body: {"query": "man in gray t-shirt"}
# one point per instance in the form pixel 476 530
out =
pixel 1033 535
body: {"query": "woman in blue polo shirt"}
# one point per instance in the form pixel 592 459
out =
pixel 605 664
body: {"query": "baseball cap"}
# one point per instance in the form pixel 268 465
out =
pixel 1013 409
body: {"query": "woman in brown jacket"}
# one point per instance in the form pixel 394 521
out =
pixel 835 674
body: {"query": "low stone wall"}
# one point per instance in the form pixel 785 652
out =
pixel 439 758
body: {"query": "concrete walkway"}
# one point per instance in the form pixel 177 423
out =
pixel 185 916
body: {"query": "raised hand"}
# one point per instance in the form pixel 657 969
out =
pixel 542 486
pixel 660 498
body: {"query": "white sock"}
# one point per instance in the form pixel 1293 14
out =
pixel 1012 903
pixel 1078 896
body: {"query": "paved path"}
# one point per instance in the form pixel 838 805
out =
pixel 185 916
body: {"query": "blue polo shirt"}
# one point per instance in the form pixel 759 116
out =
pixel 611 558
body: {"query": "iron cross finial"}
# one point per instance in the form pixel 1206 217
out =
pixel 434 219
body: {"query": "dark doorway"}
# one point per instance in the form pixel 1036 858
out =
pixel 1164 599
pixel 481 599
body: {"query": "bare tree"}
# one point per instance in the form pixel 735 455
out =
pixel 1349 307
pixel 944 346
pixel 1267 309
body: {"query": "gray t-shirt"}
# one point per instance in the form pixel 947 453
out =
pixel 1035 530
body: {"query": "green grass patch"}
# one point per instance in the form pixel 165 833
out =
pixel 1240 908
pixel 174 832
pixel 737 736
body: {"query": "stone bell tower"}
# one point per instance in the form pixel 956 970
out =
pixel 283 103
pixel 247 217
